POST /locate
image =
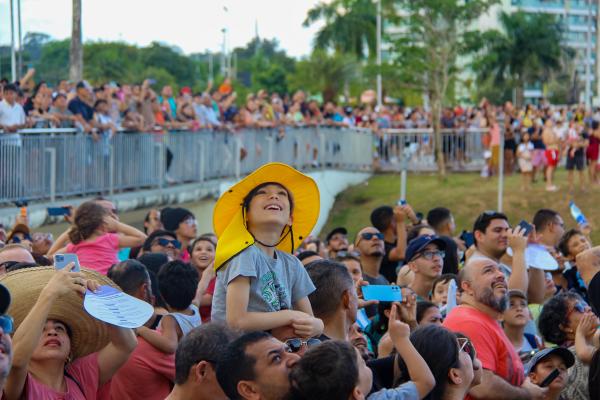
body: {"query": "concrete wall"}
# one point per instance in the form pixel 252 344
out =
pixel 203 196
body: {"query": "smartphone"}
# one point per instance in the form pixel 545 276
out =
pixel 152 81
pixel 468 238
pixel 58 211
pixel 362 320
pixel 526 226
pixel 61 261
pixel 382 292
pixel 548 380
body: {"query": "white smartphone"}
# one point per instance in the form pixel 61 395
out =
pixel 61 261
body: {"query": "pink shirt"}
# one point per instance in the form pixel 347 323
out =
pixel 494 350
pixel 98 255
pixel 495 134
pixel 148 374
pixel 83 371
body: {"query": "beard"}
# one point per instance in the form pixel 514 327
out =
pixel 488 298
pixel 377 253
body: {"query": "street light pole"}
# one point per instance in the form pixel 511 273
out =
pixel 20 56
pixel 379 88
pixel 588 58
pixel 13 58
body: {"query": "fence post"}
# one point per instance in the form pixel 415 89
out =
pixel 52 152
pixel 236 155
pixel 111 170
pixel 202 160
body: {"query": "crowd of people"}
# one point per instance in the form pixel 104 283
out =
pixel 261 309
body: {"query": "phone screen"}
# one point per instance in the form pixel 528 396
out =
pixel 382 292
pixel 468 238
pixel 58 211
pixel 61 261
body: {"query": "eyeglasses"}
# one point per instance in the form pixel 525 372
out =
pixel 165 242
pixel 429 254
pixel 464 344
pixel 190 222
pixel 296 344
pixel 370 235
pixel 347 254
pixel 7 324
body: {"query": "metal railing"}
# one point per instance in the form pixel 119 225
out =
pixel 414 149
pixel 48 164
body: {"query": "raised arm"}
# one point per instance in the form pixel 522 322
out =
pixel 27 336
pixel 116 352
pixel 128 235
pixel 518 278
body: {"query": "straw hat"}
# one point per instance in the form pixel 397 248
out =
pixel 229 220
pixel 88 335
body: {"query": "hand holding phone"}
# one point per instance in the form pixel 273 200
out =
pixel 526 226
pixel 468 238
pixel 61 261
pixel 58 211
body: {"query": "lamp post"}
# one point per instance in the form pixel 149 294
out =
pixel 13 58
pixel 379 88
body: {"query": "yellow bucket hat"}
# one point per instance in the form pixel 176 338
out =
pixel 229 218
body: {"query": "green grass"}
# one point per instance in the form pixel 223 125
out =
pixel 466 195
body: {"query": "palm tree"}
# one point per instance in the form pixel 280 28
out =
pixel 76 53
pixel 350 26
pixel 528 50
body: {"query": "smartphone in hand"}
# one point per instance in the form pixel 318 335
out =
pixel 526 226
pixel 382 292
pixel 58 211
pixel 61 261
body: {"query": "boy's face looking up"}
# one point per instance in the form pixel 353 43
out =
pixel 270 204
pixel 440 293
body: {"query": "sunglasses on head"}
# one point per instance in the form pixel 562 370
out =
pixel 7 324
pixel 370 235
pixel 165 242
pixel 190 221
pixel 580 307
pixel 296 344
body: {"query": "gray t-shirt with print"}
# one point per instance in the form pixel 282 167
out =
pixel 275 283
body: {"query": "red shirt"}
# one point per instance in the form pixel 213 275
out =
pixel 206 310
pixel 494 350
pixel 83 371
pixel 148 374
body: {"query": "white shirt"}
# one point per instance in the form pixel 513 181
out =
pixel 9 116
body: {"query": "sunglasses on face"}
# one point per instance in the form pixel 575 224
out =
pixel 465 345
pixel 296 344
pixel 6 323
pixel 580 307
pixel 190 222
pixel 165 242
pixel 429 254
pixel 16 239
pixel 371 235
pixel 351 254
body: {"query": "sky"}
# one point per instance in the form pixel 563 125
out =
pixel 192 25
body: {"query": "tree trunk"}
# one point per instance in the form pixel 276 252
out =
pixel 436 116
pixel 76 53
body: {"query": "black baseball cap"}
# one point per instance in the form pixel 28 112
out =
pixel 420 242
pixel 563 353
pixel 339 229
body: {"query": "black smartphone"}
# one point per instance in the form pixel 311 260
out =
pixel 526 226
pixel 58 211
pixel 468 238
pixel 548 380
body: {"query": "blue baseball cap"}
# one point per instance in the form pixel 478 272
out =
pixel 563 353
pixel 417 245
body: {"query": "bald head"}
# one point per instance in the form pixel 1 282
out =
pixel 483 285
pixel 14 252
pixel 588 263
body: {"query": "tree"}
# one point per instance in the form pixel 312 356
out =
pixel 350 26
pixel 527 50
pixel 432 35
pixel 324 73
pixel 76 53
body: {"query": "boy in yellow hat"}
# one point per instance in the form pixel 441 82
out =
pixel 259 222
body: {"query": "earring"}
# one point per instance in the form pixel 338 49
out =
pixel 69 359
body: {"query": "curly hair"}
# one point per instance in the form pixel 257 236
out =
pixel 88 218
pixel 553 315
